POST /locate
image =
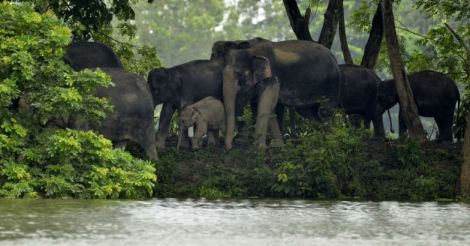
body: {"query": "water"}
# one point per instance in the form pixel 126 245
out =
pixel 232 222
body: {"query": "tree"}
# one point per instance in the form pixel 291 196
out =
pixel 299 23
pixel 408 106
pixel 38 160
pixel 372 48
pixel 342 35
pixel 87 17
pixel 330 24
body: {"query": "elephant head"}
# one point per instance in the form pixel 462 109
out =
pixel 220 49
pixel 241 75
pixel 387 94
pixel 163 85
pixel 189 115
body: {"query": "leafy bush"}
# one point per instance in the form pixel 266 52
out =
pixel 36 88
pixel 327 163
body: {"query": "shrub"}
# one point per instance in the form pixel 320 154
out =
pixel 35 87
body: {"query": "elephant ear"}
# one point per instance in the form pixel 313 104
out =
pixel 261 68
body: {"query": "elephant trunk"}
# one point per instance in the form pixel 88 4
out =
pixel 229 104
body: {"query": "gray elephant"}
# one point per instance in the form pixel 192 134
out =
pixel 208 117
pixel 435 95
pixel 132 115
pixel 80 55
pixel 359 95
pixel 306 73
pixel 180 86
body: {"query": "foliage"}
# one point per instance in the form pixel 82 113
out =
pixel 329 162
pixel 326 164
pixel 86 17
pixel 110 22
pixel 37 88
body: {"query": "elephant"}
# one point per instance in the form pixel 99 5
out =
pixel 306 74
pixel 359 95
pixel 132 115
pixel 208 116
pixel 435 95
pixel 81 54
pixel 180 86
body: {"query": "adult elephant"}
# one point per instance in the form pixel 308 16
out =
pixel 81 54
pixel 359 95
pixel 132 115
pixel 306 73
pixel 435 95
pixel 180 86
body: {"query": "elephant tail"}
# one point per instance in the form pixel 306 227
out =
pixel 390 119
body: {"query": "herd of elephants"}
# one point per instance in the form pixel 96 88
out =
pixel 211 94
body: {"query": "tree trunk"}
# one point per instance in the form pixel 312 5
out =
pixel 374 43
pixel 298 22
pixel 342 35
pixel 407 104
pixel 330 24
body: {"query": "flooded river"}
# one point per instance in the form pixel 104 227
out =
pixel 232 222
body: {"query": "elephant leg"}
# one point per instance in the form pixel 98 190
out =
pixel 268 98
pixel 377 120
pixel 280 110
pixel 212 137
pixel 401 125
pixel 444 123
pixel 182 137
pixel 199 132
pixel 164 124
pixel 149 145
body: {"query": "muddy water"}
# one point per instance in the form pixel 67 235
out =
pixel 232 222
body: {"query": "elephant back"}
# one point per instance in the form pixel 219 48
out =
pixel 307 71
pixel 80 55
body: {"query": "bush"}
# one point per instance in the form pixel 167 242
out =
pixel 36 87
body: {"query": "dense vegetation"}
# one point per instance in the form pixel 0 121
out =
pixel 36 86
pixel 325 162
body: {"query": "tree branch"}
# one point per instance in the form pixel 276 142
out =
pixel 462 42
pixel 330 24
pixel 298 22
pixel 342 35
pixel 374 43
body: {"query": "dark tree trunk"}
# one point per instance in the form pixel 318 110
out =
pixel 298 22
pixel 342 35
pixel 372 49
pixel 407 103
pixel 330 24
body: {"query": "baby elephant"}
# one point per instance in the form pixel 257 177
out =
pixel 207 116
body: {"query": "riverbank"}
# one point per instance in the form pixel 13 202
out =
pixel 341 163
